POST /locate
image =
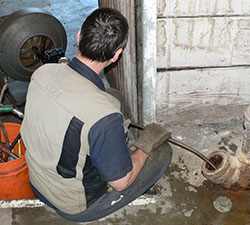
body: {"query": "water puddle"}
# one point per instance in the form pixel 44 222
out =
pixel 199 201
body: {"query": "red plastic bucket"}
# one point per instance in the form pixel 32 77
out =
pixel 14 177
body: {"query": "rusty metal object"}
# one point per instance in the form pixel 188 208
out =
pixel 227 172
pixel 232 171
pixel 223 204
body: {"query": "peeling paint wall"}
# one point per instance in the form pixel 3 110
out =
pixel 203 56
pixel 203 42
pixel 202 7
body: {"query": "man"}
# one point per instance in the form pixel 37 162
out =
pixel 75 133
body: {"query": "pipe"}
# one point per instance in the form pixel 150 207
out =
pixel 192 150
pixel 5 149
pixel 233 171
pixel 146 20
pixel 180 144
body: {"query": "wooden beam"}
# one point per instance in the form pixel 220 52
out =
pixel 123 75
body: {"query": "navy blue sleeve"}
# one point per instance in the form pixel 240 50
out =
pixel 108 148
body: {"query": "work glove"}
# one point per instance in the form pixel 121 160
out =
pixel 151 138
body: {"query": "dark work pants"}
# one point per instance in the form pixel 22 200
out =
pixel 110 202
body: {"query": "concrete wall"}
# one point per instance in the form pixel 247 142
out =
pixel 203 60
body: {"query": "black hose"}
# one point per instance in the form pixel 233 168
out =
pixel 180 144
pixel 192 150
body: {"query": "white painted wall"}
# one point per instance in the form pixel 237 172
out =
pixel 203 41
pixel 203 56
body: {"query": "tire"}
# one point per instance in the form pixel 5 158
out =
pixel 22 30
pixel 2 18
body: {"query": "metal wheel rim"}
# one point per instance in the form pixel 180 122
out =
pixel 27 56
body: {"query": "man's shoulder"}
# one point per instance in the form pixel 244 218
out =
pixel 111 121
pixel 50 67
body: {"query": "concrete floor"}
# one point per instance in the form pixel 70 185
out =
pixel 181 197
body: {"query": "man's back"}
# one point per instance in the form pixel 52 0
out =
pixel 61 107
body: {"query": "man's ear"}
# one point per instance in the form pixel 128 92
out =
pixel 116 56
pixel 78 36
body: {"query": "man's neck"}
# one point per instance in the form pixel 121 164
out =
pixel 94 65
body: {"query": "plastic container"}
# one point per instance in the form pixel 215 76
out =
pixel 14 177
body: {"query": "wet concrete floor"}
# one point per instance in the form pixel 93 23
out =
pixel 188 206
pixel 181 197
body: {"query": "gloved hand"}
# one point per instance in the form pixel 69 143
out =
pixel 151 138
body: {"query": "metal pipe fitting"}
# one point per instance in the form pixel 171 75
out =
pixel 232 172
pixel 227 169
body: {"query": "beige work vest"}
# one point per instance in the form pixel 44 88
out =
pixel 56 94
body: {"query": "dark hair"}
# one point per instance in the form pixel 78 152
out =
pixel 103 32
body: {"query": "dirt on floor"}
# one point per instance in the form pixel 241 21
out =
pixel 181 197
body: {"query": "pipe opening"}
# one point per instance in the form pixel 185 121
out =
pixel 216 160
